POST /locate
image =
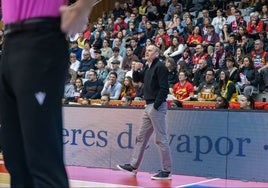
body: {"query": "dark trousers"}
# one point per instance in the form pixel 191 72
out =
pixel 32 75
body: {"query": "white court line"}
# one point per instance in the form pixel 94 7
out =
pixel 197 183
pixel 78 183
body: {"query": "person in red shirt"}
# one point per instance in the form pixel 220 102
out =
pixel 183 90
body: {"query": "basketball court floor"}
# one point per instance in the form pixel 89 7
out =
pixel 98 177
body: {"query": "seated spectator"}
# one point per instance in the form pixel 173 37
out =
pixel 218 58
pixel 102 73
pixel 227 88
pixel 105 100
pixel 186 57
pixel 151 11
pixel 128 89
pixel 171 10
pixel 231 45
pixel 74 63
pixel 246 102
pixel 86 64
pixel 194 38
pixel 221 102
pixel 238 57
pixel 115 56
pixel 232 68
pixel 200 54
pixel 255 25
pixel 207 89
pixel 120 73
pixel 137 50
pixel 68 90
pixel 238 21
pixel 183 90
pixel 106 51
pixel 112 87
pixel 218 21
pixel 200 73
pixel 210 39
pixel 175 50
pixel 172 73
pixel 126 101
pixel 92 87
pixel 76 50
pixel 260 60
pixel 149 30
pixel 247 77
pixel 247 44
pixel 162 33
pixel 78 88
pixel 128 59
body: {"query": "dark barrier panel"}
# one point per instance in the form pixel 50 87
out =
pixel 224 144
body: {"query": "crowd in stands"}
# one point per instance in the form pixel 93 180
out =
pixel 214 50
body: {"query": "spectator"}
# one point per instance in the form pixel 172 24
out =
pixel 210 39
pixel 126 101
pixel 162 33
pixel 115 56
pixel 255 25
pixel 207 89
pixel 239 21
pixel 260 60
pixel 128 59
pixel 68 90
pixel 128 88
pixel 85 65
pixel 186 57
pixel 201 19
pixel 232 67
pixel 92 87
pixel 122 48
pixel 117 11
pixel 247 44
pixel 105 100
pixel 194 38
pixel 218 21
pixel 172 73
pixel 227 88
pixel 246 102
pixel 74 63
pixel 106 51
pixel 200 73
pixel 176 49
pixel 151 11
pixel 142 7
pixel 78 88
pixel 102 73
pixel 248 77
pixel 137 50
pixel 171 10
pixel 218 58
pixel 183 90
pixel 221 103
pixel 76 50
pixel 149 30
pixel 238 57
pixel 231 46
pixel 200 54
pixel 112 87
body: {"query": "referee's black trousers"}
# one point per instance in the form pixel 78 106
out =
pixel 32 76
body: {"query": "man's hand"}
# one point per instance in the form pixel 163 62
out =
pixel 75 16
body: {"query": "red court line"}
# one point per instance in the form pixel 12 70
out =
pixel 143 179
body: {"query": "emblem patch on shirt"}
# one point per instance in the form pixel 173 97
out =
pixel 40 97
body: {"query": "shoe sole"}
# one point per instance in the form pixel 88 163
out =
pixel 134 172
pixel 158 178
